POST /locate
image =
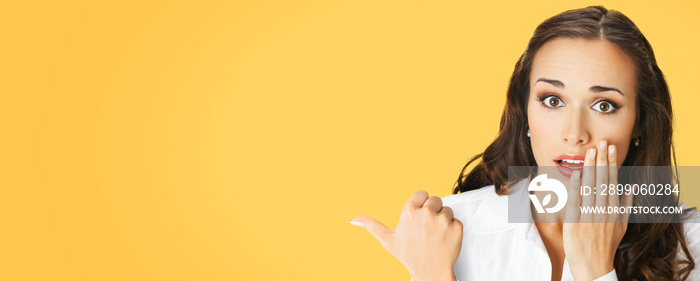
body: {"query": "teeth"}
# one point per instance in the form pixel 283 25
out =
pixel 572 161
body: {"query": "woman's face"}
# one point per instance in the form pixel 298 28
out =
pixel 581 92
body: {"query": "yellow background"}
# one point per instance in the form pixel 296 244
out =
pixel 235 140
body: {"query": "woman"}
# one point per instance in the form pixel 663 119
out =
pixel 587 89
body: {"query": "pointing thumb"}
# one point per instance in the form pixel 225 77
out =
pixel 376 228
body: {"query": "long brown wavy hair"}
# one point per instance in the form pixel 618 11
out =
pixel 648 251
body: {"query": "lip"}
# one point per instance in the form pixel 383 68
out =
pixel 570 156
pixel 566 169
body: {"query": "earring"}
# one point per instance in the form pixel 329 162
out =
pixel 528 133
pixel 637 141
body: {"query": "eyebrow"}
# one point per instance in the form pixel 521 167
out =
pixel 595 89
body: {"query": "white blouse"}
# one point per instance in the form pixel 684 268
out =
pixel 493 249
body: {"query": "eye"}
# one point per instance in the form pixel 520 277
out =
pixel 605 107
pixel 552 101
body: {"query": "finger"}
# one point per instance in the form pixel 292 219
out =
pixel 447 212
pixel 417 199
pixel 614 199
pixel 601 174
pixel 459 228
pixel 601 181
pixel 627 201
pixel 376 228
pixel 434 203
pixel 588 179
pixel 573 212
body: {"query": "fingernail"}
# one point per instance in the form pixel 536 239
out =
pixel 591 154
pixel 576 174
pixel 603 145
pixel 355 223
pixel 612 149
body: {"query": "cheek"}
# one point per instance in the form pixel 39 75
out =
pixel 542 131
pixel 622 143
pixel 619 134
pixel 541 142
pixel 621 153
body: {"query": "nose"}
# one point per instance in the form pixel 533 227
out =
pixel 576 130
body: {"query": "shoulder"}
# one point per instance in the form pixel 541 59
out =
pixel 469 197
pixel 482 210
pixel 691 229
pixel 485 195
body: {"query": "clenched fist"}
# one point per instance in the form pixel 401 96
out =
pixel 427 240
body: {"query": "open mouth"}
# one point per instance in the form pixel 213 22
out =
pixel 567 164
